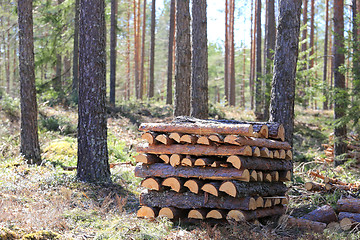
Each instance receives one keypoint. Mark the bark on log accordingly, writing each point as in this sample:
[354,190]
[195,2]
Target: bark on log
[188,139]
[241,189]
[212,188]
[164,170]
[274,176]
[188,200]
[194,185]
[152,183]
[353,216]
[198,214]
[217,164]
[312,186]
[239,215]
[348,205]
[149,137]
[171,213]
[175,136]
[241,162]
[334,181]
[199,128]
[261,130]
[147,158]
[197,150]
[204,161]
[303,223]
[258,142]
[176,184]
[216,214]
[325,214]
[164,139]
[147,212]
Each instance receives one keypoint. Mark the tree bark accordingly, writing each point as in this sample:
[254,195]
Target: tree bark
[241,162]
[231,73]
[304,224]
[226,61]
[152,50]
[269,48]
[312,31]
[258,142]
[239,215]
[183,59]
[189,200]
[348,205]
[258,85]
[165,170]
[29,141]
[142,63]
[92,165]
[340,96]
[283,85]
[325,214]
[199,89]
[113,36]
[241,189]
[170,53]
[252,57]
[128,82]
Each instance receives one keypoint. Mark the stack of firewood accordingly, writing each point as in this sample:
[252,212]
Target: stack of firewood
[201,169]
[345,216]
[329,184]
[353,149]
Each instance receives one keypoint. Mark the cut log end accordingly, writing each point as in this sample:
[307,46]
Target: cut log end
[164,139]
[255,152]
[211,188]
[216,214]
[197,214]
[173,183]
[188,161]
[193,185]
[151,183]
[347,224]
[169,212]
[175,159]
[149,137]
[165,158]
[147,212]
[175,136]
[259,202]
[204,140]
[229,188]
[236,215]
[190,139]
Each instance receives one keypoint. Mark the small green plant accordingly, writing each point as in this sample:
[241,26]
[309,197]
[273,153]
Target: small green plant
[10,106]
[58,124]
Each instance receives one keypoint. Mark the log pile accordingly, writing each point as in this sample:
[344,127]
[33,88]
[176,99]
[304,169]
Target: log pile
[346,216]
[353,149]
[208,169]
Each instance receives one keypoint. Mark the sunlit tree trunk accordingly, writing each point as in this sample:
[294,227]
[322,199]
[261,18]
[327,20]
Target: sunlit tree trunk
[325,82]
[142,75]
[113,27]
[170,53]
[152,51]
[226,59]
[75,82]
[258,85]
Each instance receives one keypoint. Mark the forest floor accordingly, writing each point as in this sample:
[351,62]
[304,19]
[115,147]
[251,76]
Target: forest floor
[47,202]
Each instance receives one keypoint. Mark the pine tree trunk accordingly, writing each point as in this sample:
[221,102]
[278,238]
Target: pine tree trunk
[312,31]
[170,53]
[226,65]
[142,75]
[7,61]
[29,142]
[269,48]
[258,85]
[242,103]
[325,83]
[340,96]
[75,82]
[128,81]
[356,50]
[183,59]
[303,50]
[113,27]
[251,79]
[92,165]
[285,59]
[136,53]
[152,50]
[199,90]
[232,85]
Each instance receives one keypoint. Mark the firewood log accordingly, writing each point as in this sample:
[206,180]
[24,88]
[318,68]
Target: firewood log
[348,224]
[255,151]
[240,162]
[164,170]
[260,176]
[261,130]
[212,188]
[312,186]
[257,142]
[147,212]
[188,139]
[188,161]
[176,184]
[171,212]
[271,154]
[253,176]
[285,201]
[289,155]
[276,154]
[333,226]
[333,181]
[197,150]
[282,154]
[189,200]
[216,138]
[216,214]
[348,205]
[217,164]
[175,159]
[239,215]
[175,136]
[149,137]
[267,203]
[165,158]
[204,161]
[198,213]
[199,128]
[284,176]
[267,177]
[194,185]
[259,202]
[303,223]
[264,152]
[204,140]
[147,158]
[330,186]
[353,216]
[164,139]
[241,189]
[274,176]
[325,214]
[152,183]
